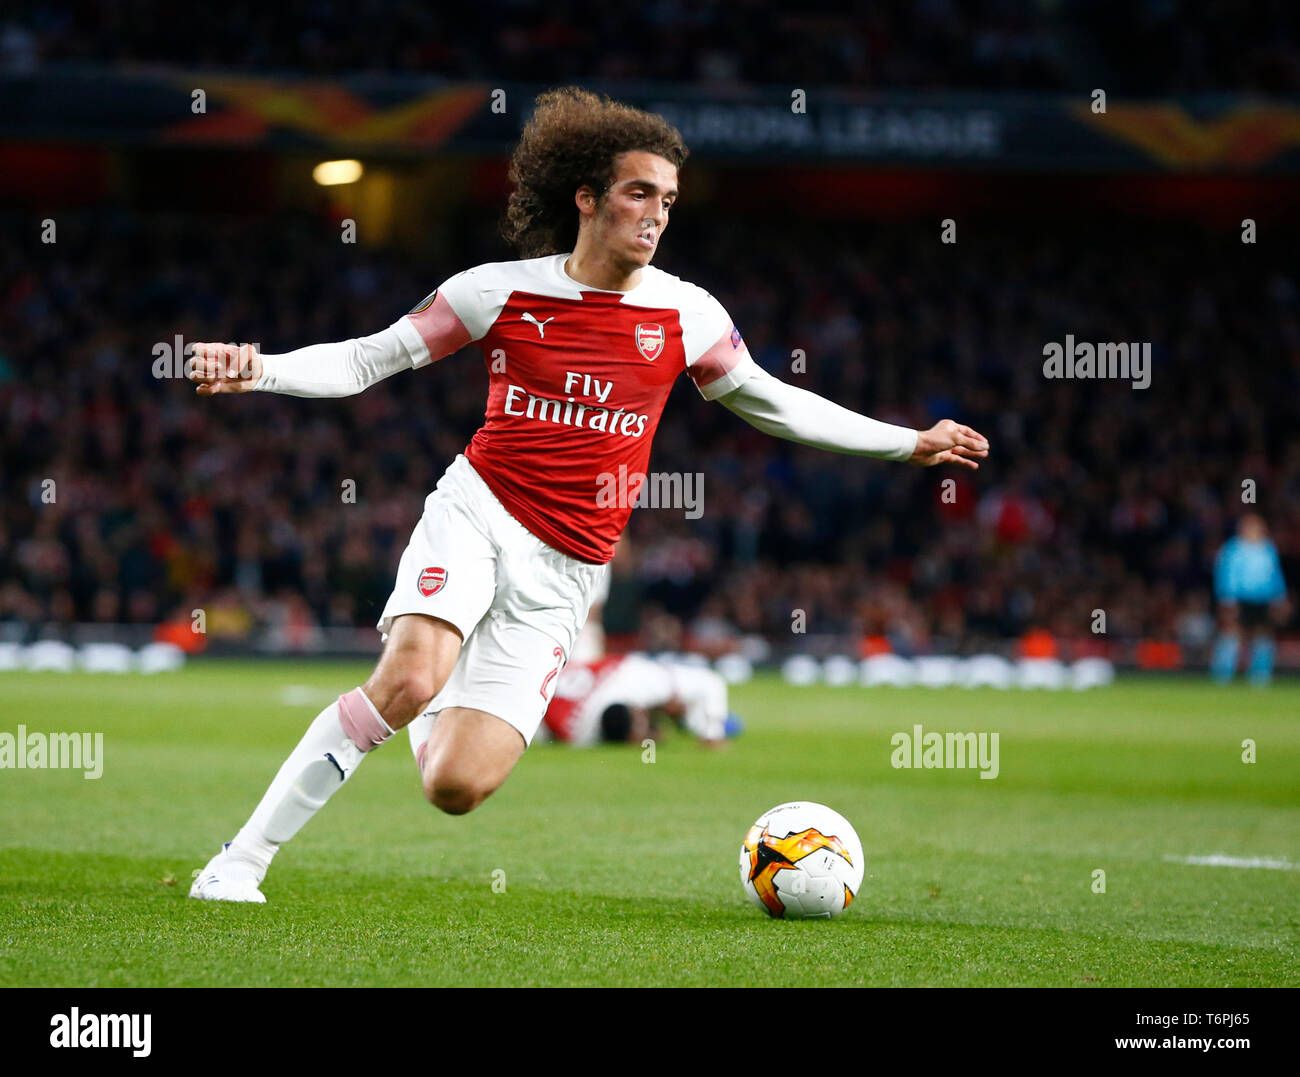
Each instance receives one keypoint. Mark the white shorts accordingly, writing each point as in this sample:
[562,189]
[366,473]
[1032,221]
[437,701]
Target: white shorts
[517,602]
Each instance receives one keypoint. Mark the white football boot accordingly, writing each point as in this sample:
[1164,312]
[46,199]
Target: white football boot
[227,879]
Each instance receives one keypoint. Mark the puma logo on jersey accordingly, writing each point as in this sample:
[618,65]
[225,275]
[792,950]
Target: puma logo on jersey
[541,326]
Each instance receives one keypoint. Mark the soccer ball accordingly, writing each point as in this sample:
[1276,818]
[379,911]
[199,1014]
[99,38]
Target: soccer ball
[801,861]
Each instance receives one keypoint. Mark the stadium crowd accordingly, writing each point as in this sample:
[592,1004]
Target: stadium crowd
[278,514]
[1151,46]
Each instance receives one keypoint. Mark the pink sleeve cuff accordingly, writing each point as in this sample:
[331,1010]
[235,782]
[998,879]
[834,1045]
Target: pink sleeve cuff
[727,365]
[439,328]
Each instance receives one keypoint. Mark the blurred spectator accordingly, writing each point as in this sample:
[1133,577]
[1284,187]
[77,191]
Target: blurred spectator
[1149,46]
[1251,591]
[127,497]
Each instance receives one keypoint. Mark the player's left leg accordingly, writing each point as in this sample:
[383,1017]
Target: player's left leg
[467,756]
[474,731]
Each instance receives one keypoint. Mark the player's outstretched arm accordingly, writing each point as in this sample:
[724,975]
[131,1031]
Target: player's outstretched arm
[949,442]
[795,414]
[340,369]
[224,368]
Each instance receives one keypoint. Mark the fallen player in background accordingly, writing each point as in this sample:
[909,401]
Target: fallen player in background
[620,699]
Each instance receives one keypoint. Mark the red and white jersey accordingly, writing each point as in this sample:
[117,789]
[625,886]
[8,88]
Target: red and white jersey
[578,380]
[584,689]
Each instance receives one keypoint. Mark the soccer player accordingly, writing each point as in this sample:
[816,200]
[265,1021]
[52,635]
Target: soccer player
[617,698]
[1251,593]
[583,338]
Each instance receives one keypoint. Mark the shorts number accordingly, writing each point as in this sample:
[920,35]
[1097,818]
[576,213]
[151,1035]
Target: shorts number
[559,662]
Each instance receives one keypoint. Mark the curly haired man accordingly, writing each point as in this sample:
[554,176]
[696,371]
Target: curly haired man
[583,339]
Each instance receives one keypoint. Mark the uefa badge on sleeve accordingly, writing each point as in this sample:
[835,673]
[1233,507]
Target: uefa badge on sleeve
[425,303]
[431,581]
[650,340]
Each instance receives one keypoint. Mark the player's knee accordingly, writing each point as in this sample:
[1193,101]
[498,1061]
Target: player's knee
[399,698]
[417,689]
[455,794]
[455,800]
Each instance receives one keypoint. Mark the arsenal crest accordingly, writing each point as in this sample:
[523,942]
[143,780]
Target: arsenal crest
[650,340]
[431,581]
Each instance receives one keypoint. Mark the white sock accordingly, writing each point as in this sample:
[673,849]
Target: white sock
[419,731]
[324,759]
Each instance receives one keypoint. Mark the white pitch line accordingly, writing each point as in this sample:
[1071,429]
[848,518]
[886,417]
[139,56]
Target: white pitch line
[1218,860]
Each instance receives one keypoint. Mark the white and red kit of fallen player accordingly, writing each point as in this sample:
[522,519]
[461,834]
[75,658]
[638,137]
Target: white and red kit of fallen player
[585,689]
[578,380]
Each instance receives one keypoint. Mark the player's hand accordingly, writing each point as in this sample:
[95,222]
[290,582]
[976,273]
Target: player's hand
[947,442]
[224,368]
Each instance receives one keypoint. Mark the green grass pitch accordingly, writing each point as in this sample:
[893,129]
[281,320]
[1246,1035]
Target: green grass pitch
[623,872]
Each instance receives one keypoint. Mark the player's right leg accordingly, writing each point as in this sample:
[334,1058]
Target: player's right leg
[445,583]
[418,658]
